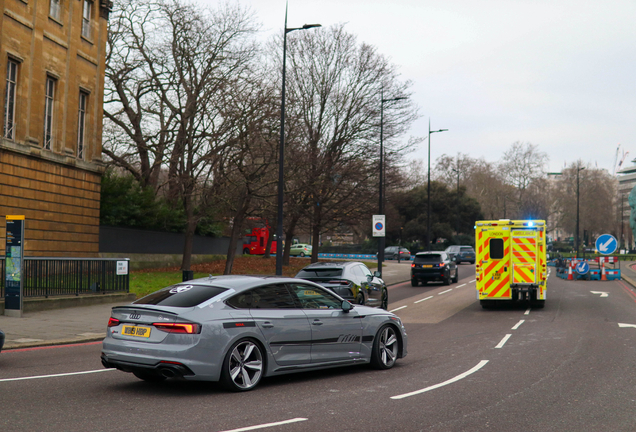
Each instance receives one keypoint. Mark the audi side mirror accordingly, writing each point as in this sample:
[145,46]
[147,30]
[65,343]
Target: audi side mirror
[346,306]
[377,274]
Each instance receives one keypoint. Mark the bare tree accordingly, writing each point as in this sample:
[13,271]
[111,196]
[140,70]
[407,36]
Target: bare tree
[335,87]
[521,165]
[171,73]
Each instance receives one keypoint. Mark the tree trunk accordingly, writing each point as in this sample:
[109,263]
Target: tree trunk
[239,217]
[191,227]
[289,234]
[315,233]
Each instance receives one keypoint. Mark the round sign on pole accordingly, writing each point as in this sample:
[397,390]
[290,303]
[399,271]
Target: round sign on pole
[582,268]
[606,244]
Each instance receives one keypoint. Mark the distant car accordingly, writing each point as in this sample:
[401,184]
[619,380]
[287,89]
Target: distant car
[239,329]
[433,266]
[352,281]
[1,340]
[462,253]
[301,250]
[392,253]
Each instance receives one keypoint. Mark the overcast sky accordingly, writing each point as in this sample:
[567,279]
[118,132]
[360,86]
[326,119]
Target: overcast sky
[560,74]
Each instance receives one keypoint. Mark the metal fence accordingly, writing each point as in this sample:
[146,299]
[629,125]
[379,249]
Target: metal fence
[50,277]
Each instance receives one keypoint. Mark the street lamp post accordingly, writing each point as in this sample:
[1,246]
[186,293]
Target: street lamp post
[381,204]
[457,209]
[281,157]
[578,170]
[428,205]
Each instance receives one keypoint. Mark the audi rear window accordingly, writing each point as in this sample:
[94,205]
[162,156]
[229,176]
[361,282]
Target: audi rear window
[182,295]
[319,273]
[428,258]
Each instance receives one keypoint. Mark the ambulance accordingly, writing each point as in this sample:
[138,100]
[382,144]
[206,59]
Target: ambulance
[511,261]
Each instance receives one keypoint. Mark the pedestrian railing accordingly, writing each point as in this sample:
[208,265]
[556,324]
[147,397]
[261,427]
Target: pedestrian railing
[50,277]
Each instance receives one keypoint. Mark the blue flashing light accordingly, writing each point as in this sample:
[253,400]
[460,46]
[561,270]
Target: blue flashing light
[530,223]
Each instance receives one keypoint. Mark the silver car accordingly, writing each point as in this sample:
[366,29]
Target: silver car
[239,329]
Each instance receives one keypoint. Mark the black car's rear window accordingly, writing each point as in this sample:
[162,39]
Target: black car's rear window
[182,295]
[466,249]
[434,258]
[319,273]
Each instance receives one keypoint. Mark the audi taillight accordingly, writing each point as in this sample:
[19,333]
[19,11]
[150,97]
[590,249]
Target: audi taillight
[113,322]
[181,328]
[340,282]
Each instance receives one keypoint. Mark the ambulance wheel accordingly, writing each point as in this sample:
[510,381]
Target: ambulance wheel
[486,304]
[539,304]
[415,282]
[456,278]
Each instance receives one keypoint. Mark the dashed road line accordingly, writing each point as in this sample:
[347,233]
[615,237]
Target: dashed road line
[57,375]
[397,309]
[527,312]
[472,280]
[266,425]
[480,365]
[518,324]
[444,292]
[459,286]
[503,341]
[424,299]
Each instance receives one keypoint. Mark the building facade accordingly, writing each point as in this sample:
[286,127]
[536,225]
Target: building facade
[52,60]
[626,182]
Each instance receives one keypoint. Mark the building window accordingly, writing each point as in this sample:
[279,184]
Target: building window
[81,123]
[9,100]
[48,112]
[86,19]
[54,9]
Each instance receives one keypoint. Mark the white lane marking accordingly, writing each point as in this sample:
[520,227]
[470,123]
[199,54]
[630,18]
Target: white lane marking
[444,292]
[503,341]
[626,325]
[602,293]
[472,280]
[429,297]
[518,324]
[401,307]
[459,286]
[266,425]
[480,365]
[57,375]
[527,312]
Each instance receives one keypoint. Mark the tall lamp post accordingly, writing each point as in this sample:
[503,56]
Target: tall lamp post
[578,170]
[457,210]
[381,205]
[428,204]
[576,238]
[281,157]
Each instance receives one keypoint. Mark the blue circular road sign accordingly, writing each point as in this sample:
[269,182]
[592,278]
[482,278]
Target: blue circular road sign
[378,226]
[582,268]
[606,244]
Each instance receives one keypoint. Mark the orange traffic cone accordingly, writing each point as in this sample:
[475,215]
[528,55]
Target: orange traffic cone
[570,277]
[603,277]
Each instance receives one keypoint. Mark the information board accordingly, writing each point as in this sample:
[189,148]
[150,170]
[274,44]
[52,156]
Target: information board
[13,266]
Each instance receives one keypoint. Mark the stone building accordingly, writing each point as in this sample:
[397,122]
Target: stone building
[626,182]
[52,60]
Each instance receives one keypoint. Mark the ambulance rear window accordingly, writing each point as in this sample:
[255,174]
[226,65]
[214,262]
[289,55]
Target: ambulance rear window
[496,248]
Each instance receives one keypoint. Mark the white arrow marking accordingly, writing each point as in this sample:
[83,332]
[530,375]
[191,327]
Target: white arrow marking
[626,325]
[602,293]
[605,246]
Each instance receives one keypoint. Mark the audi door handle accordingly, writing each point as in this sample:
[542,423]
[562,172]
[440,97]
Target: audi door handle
[317,322]
[268,324]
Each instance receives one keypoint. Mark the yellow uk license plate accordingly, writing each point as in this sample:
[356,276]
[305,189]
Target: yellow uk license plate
[427,266]
[137,331]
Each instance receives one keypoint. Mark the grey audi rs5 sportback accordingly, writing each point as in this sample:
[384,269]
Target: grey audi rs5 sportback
[239,329]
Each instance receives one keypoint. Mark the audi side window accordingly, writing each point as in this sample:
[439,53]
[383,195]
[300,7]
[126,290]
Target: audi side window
[496,248]
[311,297]
[272,297]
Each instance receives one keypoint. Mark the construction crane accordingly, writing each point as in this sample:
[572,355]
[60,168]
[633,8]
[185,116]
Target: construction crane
[619,163]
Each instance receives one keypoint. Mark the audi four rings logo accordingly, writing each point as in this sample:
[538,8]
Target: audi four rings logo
[134,315]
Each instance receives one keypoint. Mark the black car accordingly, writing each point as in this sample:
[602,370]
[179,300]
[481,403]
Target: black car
[433,266]
[462,253]
[1,340]
[393,252]
[352,281]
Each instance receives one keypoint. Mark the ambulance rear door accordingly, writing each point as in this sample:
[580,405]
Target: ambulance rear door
[494,262]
